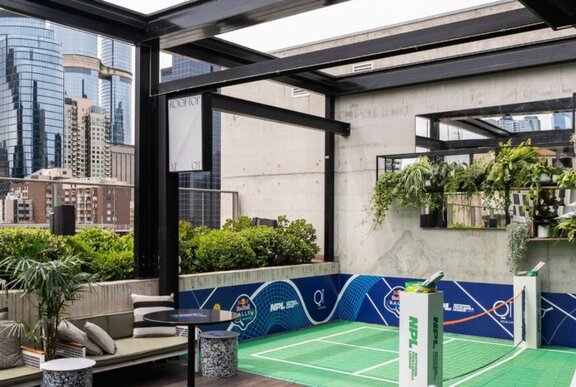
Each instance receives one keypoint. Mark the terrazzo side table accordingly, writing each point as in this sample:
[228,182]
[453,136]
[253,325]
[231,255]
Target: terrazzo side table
[67,372]
[219,353]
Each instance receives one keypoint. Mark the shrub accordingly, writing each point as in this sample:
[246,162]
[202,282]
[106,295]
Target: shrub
[224,250]
[189,240]
[114,265]
[238,224]
[32,242]
[260,239]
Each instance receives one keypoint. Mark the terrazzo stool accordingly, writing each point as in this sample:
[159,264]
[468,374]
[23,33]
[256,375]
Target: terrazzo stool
[219,353]
[67,372]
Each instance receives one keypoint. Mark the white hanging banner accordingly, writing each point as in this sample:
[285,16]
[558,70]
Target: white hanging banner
[185,149]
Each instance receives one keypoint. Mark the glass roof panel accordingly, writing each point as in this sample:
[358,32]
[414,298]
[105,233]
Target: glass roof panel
[342,19]
[146,6]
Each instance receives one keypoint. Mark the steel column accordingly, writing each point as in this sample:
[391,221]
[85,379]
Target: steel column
[329,184]
[146,179]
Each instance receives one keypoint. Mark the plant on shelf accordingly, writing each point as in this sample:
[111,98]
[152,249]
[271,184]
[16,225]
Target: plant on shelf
[567,179]
[464,178]
[511,167]
[566,228]
[517,237]
[405,187]
[545,211]
[53,285]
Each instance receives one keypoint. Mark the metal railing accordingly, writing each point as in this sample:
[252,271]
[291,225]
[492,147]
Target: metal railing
[31,203]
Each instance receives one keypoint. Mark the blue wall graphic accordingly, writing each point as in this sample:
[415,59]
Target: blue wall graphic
[277,306]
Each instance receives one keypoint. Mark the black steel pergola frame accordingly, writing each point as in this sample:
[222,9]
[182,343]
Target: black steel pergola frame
[190,28]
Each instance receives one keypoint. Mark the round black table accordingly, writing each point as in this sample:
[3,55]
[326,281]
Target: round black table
[191,318]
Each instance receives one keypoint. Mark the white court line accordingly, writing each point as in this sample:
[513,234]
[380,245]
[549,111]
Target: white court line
[308,341]
[384,329]
[376,309]
[488,368]
[358,346]
[207,298]
[376,366]
[557,350]
[448,341]
[484,309]
[326,369]
[560,309]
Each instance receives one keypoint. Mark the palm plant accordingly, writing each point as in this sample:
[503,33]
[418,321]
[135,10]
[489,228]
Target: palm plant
[53,285]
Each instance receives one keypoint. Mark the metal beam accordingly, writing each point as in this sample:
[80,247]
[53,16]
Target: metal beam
[242,107]
[480,127]
[204,19]
[89,15]
[227,54]
[485,27]
[429,143]
[556,13]
[547,53]
[329,183]
[540,138]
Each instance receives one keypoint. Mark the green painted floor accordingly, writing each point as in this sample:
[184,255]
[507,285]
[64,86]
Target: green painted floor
[358,354]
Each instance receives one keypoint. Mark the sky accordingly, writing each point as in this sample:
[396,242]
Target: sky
[336,20]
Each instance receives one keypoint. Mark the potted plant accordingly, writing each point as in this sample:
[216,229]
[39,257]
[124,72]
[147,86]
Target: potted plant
[566,228]
[511,167]
[517,237]
[406,187]
[567,179]
[52,284]
[545,211]
[464,178]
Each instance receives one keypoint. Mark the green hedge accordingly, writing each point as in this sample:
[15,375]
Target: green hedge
[239,245]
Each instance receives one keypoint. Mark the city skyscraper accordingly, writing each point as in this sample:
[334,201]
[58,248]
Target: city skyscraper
[81,64]
[31,95]
[116,90]
[193,206]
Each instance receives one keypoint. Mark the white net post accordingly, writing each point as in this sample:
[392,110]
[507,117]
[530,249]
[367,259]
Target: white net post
[527,325]
[421,336]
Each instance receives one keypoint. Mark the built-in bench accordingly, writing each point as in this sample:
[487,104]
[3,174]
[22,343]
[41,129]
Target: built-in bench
[130,350]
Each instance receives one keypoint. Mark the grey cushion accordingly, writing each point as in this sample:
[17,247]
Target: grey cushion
[10,353]
[4,313]
[148,304]
[100,337]
[69,332]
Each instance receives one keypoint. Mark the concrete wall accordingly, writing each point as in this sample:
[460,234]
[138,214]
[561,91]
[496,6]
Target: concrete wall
[279,169]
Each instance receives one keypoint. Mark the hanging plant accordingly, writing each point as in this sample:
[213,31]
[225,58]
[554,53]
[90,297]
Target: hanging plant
[517,236]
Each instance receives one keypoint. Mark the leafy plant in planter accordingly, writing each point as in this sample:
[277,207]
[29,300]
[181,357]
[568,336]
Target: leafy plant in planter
[465,178]
[567,179]
[566,228]
[517,236]
[512,167]
[405,187]
[53,285]
[545,211]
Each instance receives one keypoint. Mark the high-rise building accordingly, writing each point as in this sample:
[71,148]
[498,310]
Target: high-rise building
[562,120]
[31,95]
[81,64]
[116,90]
[198,208]
[87,134]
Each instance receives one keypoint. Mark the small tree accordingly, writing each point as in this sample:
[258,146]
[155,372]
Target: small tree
[53,286]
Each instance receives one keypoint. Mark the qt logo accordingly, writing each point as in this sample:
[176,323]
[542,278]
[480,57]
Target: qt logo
[319,298]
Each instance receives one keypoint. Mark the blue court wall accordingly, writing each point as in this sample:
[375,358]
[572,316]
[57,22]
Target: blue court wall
[276,306]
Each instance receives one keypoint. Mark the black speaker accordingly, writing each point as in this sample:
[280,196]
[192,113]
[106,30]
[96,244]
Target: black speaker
[63,220]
